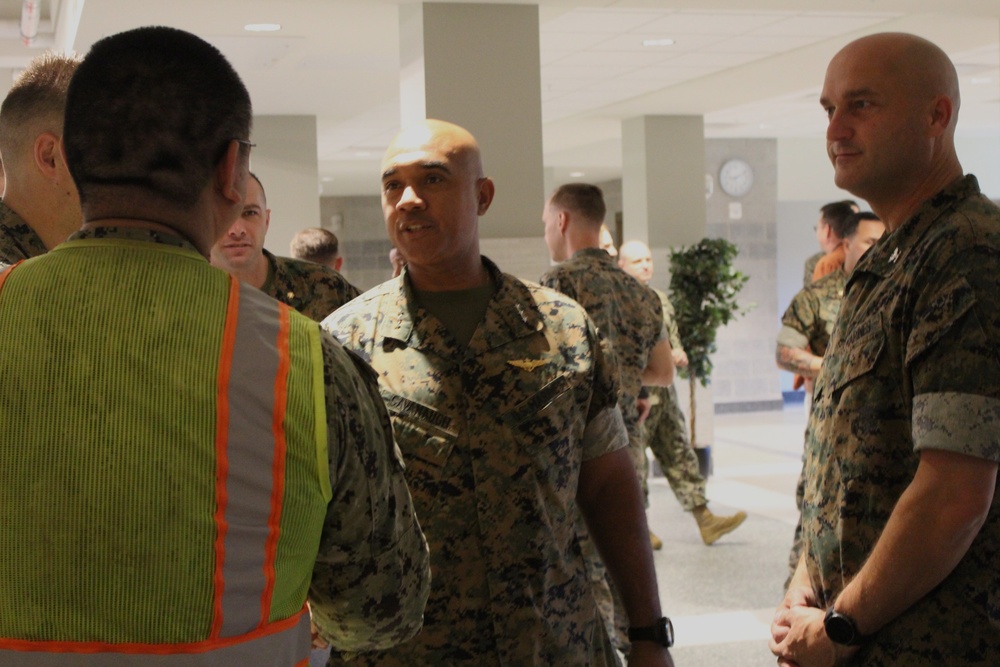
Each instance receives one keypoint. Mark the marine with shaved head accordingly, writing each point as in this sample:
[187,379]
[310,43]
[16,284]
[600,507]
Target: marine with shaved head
[504,408]
[901,530]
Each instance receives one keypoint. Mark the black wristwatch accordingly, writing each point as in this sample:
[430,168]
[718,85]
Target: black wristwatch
[661,632]
[841,629]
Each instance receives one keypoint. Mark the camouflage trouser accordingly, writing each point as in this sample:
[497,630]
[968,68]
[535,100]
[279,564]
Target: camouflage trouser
[666,436]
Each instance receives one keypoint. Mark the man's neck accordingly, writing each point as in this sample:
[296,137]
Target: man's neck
[895,212]
[447,279]
[255,274]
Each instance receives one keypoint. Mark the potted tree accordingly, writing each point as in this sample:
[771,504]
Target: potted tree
[703,290]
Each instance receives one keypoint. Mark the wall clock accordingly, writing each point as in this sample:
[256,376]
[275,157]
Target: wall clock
[736,177]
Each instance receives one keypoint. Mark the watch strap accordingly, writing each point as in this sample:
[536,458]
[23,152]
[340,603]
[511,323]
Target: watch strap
[661,632]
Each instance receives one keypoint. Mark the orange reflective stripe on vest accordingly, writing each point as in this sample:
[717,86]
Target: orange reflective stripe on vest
[281,646]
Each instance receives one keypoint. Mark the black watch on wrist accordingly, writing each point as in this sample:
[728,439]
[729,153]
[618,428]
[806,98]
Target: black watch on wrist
[841,629]
[661,632]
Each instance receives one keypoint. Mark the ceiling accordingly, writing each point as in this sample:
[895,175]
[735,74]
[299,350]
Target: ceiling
[752,68]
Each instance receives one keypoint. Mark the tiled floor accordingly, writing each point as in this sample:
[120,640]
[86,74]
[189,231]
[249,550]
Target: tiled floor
[721,598]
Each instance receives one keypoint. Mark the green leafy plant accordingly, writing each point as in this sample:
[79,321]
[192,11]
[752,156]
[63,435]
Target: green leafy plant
[703,290]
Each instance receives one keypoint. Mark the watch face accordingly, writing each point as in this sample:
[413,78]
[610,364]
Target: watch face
[736,177]
[840,629]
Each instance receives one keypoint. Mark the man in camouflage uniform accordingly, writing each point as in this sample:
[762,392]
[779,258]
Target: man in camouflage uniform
[626,313]
[504,408]
[317,245]
[629,316]
[666,432]
[40,206]
[807,324]
[161,171]
[828,234]
[312,289]
[900,523]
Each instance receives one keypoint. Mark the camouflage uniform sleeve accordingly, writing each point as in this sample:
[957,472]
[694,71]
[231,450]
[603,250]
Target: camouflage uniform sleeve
[670,321]
[952,355]
[798,321]
[372,576]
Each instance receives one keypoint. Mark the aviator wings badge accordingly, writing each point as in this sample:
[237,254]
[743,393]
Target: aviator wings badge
[527,364]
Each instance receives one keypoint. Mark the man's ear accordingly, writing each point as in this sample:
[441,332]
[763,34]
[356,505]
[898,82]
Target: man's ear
[486,192]
[562,221]
[231,175]
[942,110]
[45,152]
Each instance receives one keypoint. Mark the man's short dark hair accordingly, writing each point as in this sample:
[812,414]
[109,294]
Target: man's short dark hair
[584,199]
[37,100]
[152,111]
[853,220]
[315,244]
[836,214]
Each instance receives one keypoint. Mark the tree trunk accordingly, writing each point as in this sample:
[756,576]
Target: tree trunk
[693,381]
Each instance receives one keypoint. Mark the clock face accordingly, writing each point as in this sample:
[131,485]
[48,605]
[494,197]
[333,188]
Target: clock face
[736,177]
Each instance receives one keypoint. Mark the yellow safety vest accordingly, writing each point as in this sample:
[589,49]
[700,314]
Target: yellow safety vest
[163,464]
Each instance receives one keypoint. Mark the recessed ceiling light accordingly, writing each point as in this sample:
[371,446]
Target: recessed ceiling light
[666,41]
[576,174]
[262,27]
[979,80]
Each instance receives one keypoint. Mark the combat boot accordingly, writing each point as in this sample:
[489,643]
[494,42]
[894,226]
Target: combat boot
[655,542]
[713,527]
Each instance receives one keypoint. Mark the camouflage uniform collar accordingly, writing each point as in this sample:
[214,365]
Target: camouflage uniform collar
[17,239]
[892,249]
[596,253]
[512,314]
[272,272]
[140,234]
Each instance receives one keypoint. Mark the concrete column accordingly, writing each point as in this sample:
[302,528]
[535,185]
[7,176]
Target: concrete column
[663,203]
[478,66]
[285,160]
[663,179]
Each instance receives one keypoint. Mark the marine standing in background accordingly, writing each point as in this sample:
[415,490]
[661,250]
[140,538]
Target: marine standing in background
[312,289]
[40,206]
[666,430]
[630,319]
[317,245]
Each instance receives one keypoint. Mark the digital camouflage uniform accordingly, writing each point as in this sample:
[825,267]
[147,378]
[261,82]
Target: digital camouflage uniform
[312,289]
[629,317]
[666,432]
[493,435]
[807,325]
[17,240]
[810,267]
[912,365]
[372,555]
[627,314]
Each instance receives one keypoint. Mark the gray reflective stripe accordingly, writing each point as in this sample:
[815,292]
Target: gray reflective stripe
[251,450]
[282,649]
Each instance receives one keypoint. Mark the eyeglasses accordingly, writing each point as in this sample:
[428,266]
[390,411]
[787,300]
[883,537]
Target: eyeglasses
[244,142]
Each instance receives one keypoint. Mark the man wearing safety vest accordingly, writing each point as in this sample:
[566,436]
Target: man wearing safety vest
[183,460]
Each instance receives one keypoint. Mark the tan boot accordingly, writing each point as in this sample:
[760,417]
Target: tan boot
[713,527]
[655,542]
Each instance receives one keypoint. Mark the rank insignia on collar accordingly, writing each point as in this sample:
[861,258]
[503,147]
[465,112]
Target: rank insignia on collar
[894,256]
[527,364]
